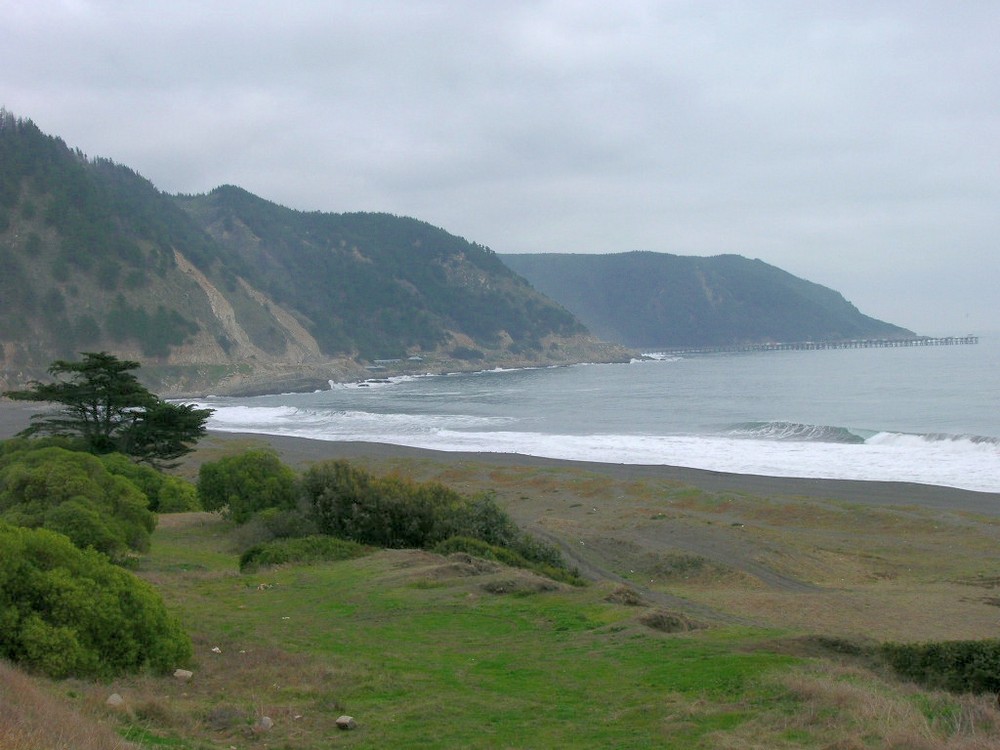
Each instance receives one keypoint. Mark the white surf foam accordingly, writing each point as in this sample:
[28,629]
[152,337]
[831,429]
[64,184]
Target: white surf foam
[961,462]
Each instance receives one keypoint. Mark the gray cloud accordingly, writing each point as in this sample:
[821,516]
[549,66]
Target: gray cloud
[852,143]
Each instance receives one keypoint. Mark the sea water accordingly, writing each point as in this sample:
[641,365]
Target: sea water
[916,414]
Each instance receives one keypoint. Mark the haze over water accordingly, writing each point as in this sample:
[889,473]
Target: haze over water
[924,414]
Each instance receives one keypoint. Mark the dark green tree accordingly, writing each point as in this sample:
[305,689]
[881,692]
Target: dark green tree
[106,406]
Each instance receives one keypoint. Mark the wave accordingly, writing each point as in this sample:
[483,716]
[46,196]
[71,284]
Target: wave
[794,431]
[956,441]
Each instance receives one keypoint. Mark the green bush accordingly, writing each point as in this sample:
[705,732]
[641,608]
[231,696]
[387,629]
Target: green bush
[75,494]
[309,549]
[176,496]
[482,518]
[66,611]
[386,512]
[244,484]
[956,666]
[274,523]
[392,512]
[165,493]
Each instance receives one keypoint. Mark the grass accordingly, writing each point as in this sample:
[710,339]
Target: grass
[433,652]
[453,666]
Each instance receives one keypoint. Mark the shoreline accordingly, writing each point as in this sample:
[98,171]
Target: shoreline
[299,452]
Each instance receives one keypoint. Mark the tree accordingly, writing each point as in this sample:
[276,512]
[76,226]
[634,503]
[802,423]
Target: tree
[106,406]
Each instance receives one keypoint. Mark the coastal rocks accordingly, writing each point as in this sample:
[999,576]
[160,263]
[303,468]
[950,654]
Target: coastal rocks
[346,723]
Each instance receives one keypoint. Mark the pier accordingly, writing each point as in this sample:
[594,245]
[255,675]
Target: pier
[774,346]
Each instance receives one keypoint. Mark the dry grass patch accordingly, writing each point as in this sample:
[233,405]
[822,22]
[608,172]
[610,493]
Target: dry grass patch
[231,691]
[31,718]
[884,611]
[824,700]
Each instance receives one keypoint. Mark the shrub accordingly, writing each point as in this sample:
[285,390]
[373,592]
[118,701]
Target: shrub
[66,611]
[274,523]
[392,512]
[75,494]
[307,549]
[176,496]
[957,666]
[165,493]
[244,484]
[387,512]
[336,492]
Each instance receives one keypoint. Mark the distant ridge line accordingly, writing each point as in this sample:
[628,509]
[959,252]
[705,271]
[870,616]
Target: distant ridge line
[833,344]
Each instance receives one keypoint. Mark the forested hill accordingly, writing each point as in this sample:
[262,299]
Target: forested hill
[227,290]
[374,283]
[652,300]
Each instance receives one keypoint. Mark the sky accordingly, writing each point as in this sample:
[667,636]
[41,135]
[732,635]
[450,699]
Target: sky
[854,143]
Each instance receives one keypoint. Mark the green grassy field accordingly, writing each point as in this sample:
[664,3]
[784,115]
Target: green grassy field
[426,651]
[432,652]
[423,655]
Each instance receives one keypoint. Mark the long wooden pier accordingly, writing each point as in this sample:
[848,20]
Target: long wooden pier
[775,346]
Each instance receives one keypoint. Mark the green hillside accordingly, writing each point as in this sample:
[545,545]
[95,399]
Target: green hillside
[644,299]
[228,291]
[374,283]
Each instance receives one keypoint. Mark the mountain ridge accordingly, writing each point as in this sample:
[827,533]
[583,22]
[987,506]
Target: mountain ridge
[229,292]
[647,300]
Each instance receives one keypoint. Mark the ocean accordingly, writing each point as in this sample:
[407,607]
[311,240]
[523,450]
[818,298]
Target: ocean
[929,415]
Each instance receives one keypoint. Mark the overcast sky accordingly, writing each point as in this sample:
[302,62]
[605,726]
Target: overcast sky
[855,143]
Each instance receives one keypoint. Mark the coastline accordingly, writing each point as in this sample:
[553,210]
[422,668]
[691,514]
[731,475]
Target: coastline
[299,452]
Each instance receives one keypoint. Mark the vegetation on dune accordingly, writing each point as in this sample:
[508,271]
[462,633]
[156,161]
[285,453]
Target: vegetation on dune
[66,611]
[338,499]
[247,483]
[74,494]
[431,651]
[164,493]
[300,550]
[390,511]
[956,666]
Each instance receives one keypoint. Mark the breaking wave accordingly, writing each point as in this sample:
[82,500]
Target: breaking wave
[794,431]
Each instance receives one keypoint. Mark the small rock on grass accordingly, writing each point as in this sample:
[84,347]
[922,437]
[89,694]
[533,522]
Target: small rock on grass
[264,724]
[347,722]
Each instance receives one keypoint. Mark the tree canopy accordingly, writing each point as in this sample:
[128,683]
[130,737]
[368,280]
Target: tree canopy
[105,405]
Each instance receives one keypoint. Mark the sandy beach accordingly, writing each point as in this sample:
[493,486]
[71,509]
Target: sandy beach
[15,416]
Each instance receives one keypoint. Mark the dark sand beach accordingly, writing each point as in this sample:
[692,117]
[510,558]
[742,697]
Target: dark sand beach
[301,451]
